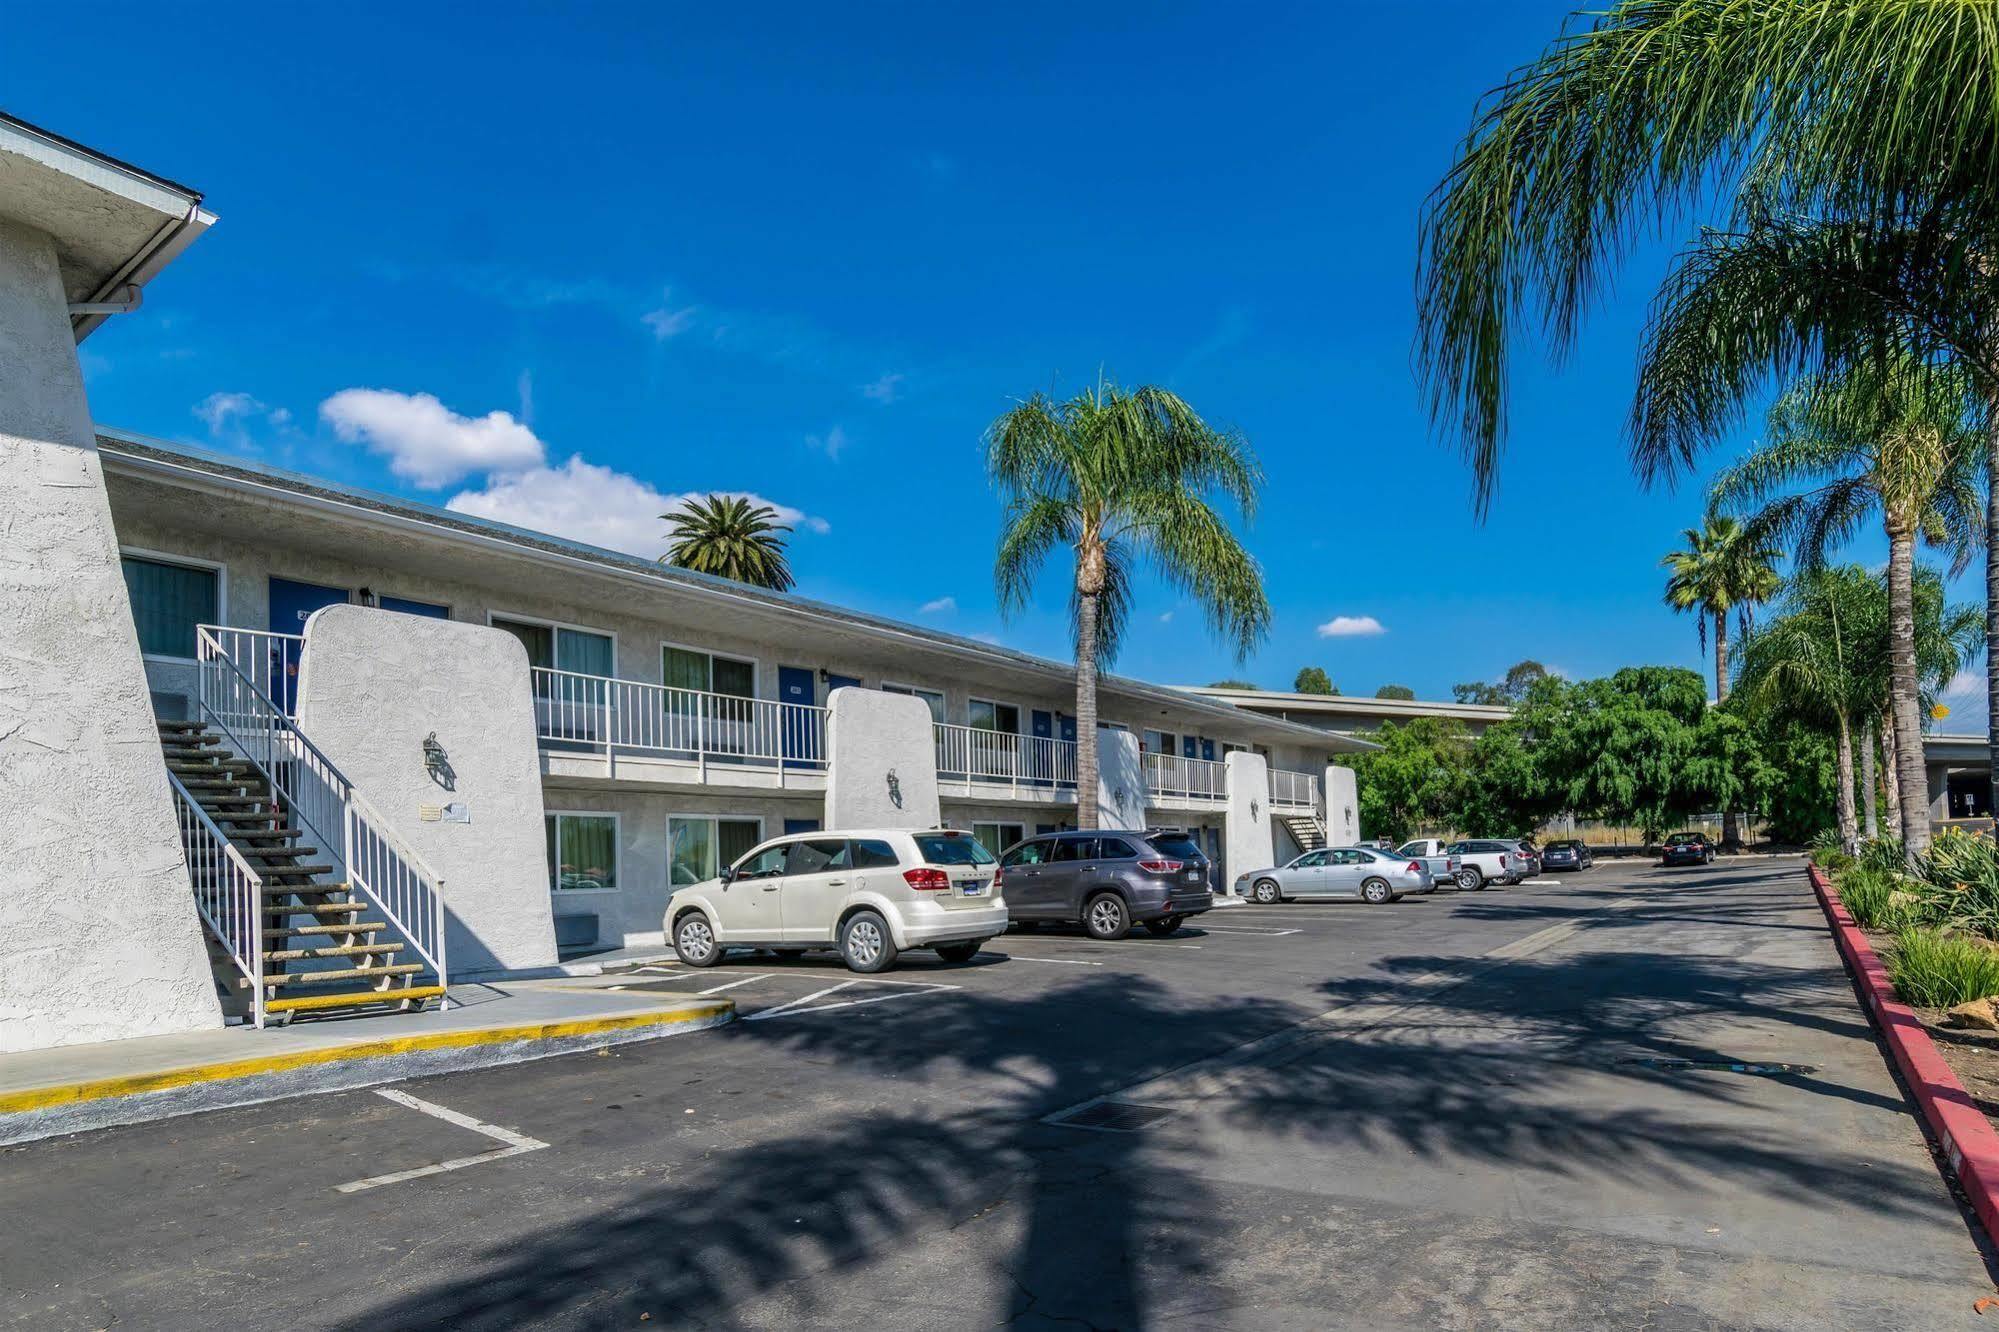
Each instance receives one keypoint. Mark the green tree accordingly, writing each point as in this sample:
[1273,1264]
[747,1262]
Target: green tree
[728,536]
[1856,141]
[1314,680]
[1122,478]
[1411,783]
[1639,747]
[1403,692]
[1891,439]
[1724,568]
[1234,684]
[1520,677]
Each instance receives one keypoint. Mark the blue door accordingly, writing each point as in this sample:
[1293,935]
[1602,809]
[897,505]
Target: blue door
[292,604]
[1067,725]
[800,826]
[840,682]
[1207,749]
[428,609]
[1187,747]
[796,684]
[1041,766]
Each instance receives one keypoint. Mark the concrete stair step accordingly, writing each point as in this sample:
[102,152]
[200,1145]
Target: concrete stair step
[354,999]
[305,889]
[356,927]
[348,973]
[335,950]
[320,909]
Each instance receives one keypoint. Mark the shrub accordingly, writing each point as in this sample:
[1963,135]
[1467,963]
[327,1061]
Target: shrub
[1959,884]
[1826,841]
[1869,894]
[1833,862]
[1932,969]
[1882,853]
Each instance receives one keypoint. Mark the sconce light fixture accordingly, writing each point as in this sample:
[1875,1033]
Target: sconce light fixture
[437,763]
[894,789]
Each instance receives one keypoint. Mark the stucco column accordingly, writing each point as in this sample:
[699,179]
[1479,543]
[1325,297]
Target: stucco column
[1342,806]
[1938,780]
[1248,843]
[99,938]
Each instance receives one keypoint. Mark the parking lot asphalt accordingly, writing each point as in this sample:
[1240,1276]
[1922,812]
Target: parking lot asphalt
[1463,1110]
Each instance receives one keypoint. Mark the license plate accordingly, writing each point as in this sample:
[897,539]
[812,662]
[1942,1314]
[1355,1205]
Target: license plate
[972,887]
[1195,876]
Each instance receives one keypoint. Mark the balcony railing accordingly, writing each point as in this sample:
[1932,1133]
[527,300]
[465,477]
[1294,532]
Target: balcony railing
[596,713]
[971,755]
[269,662]
[1172,776]
[1293,790]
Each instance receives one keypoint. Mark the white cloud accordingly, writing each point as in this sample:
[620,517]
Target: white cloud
[425,441]
[222,410]
[668,323]
[886,389]
[1351,626]
[1166,617]
[832,443]
[586,502]
[939,606]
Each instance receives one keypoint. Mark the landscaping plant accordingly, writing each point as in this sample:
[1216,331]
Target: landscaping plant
[1931,969]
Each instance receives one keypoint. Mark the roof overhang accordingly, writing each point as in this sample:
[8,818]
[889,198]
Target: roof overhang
[1351,706]
[114,226]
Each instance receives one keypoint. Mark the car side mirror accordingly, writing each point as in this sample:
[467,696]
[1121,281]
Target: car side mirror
[728,875]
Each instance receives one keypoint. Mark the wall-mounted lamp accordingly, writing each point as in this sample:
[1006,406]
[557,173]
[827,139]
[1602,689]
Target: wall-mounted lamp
[894,789]
[437,763]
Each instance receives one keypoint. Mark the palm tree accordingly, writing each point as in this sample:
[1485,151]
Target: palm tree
[1873,124]
[1723,568]
[1892,438]
[1122,479]
[728,536]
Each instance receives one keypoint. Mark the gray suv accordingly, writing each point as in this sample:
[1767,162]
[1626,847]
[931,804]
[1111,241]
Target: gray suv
[1107,880]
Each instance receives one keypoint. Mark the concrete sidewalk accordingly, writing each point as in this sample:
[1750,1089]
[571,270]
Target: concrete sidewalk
[78,1087]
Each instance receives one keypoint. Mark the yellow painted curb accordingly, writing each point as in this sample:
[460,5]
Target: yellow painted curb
[71,1093]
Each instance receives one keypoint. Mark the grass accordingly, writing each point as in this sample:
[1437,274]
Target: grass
[1934,970]
[1867,894]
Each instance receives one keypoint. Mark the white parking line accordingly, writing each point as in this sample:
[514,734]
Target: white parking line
[1246,929]
[1059,961]
[733,984]
[797,1008]
[516,1144]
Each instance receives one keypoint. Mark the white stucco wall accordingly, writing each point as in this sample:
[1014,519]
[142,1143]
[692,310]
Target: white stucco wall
[372,685]
[1342,806]
[1249,843]
[870,735]
[99,938]
[1120,781]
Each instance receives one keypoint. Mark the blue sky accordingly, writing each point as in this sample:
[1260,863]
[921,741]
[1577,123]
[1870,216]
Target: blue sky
[809,251]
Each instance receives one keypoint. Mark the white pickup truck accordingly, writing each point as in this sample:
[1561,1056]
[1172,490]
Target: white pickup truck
[1443,866]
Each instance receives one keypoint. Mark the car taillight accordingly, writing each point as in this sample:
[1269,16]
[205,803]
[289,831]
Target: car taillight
[1160,866]
[927,880]
[998,874]
[1414,868]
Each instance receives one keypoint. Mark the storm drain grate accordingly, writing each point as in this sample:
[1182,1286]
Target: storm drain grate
[1113,1117]
[1719,1066]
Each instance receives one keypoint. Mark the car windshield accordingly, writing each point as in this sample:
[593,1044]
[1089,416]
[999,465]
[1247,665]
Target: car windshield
[953,849]
[1684,837]
[1175,844]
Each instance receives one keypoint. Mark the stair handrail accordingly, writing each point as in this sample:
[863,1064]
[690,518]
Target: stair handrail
[228,893]
[387,870]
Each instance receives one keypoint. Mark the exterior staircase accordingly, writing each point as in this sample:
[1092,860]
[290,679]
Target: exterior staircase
[1305,830]
[322,953]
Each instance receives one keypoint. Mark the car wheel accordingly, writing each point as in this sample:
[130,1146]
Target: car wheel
[865,943]
[1468,879]
[694,941]
[1376,891]
[1105,917]
[1266,892]
[1164,926]
[958,952]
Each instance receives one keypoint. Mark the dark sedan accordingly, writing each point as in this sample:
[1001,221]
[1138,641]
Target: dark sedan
[1566,855]
[1690,848]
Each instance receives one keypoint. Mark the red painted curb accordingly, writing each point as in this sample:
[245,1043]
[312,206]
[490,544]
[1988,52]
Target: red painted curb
[1969,1142]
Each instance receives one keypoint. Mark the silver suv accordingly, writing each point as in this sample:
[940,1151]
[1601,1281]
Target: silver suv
[1108,880]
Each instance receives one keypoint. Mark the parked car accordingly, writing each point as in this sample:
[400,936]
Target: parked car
[1365,872]
[868,894]
[1687,848]
[1529,855]
[1493,861]
[1437,858]
[1570,854]
[1107,881]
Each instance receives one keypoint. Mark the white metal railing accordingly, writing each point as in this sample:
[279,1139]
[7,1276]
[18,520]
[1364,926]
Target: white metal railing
[1186,778]
[1293,790]
[1002,758]
[363,849]
[227,892]
[269,661]
[597,712]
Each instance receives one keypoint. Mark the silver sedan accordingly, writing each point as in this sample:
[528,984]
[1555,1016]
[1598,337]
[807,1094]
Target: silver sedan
[1338,872]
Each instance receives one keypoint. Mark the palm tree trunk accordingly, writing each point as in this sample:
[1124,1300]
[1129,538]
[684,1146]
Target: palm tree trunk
[1086,710]
[1891,784]
[1991,614]
[1731,836]
[1870,821]
[1848,834]
[1903,696]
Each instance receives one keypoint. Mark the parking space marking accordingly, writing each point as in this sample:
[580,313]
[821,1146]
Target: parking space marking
[517,1144]
[1059,961]
[905,990]
[1247,929]
[717,989]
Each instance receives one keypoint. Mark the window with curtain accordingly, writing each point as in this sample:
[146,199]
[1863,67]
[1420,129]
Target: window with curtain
[698,847]
[988,716]
[930,696]
[168,601]
[582,852]
[684,668]
[583,652]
